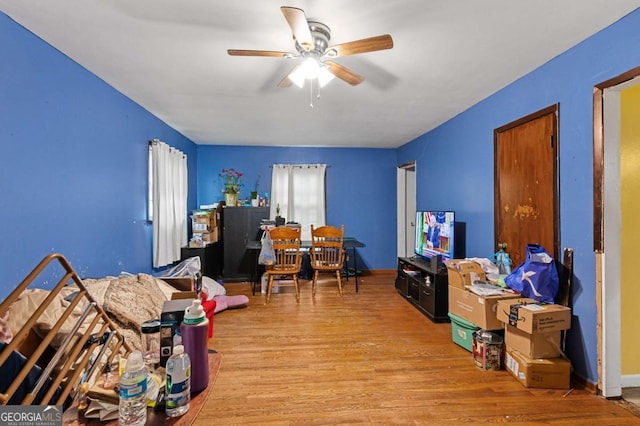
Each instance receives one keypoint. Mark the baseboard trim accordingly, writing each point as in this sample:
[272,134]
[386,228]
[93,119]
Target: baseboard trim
[630,381]
[379,272]
[581,383]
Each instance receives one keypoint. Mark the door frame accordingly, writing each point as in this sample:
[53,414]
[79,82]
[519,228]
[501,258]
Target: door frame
[606,222]
[406,207]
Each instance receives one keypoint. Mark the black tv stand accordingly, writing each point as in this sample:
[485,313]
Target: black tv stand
[424,284]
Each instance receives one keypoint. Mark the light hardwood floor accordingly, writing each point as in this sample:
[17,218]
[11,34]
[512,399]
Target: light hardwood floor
[368,358]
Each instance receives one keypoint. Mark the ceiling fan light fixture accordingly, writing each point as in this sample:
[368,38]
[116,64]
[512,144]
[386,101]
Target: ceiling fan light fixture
[324,76]
[298,77]
[311,69]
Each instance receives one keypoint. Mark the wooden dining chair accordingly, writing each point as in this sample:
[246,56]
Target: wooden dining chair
[327,253]
[286,247]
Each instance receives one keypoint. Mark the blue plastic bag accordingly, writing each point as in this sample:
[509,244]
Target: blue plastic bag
[537,277]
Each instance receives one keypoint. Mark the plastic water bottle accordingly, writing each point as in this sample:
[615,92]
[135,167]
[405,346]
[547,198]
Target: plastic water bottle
[195,333]
[178,390]
[133,391]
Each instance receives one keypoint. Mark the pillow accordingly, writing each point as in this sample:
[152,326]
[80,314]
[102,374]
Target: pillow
[134,300]
[212,288]
[229,302]
[131,301]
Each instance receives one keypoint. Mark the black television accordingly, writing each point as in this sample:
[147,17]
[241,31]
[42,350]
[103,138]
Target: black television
[438,234]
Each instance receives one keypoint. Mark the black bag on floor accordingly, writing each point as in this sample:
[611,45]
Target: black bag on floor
[306,271]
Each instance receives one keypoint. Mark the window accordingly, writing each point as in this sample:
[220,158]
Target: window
[298,191]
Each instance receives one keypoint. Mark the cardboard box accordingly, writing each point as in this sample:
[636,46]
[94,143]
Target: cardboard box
[478,310]
[462,272]
[549,373]
[538,345]
[170,319]
[200,227]
[204,220]
[534,317]
[214,235]
[208,237]
[200,223]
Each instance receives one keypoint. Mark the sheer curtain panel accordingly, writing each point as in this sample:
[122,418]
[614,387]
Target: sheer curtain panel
[299,191]
[169,202]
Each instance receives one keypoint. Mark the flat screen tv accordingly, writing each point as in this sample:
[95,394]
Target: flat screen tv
[435,234]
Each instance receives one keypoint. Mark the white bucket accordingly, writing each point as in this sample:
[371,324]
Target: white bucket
[263,284]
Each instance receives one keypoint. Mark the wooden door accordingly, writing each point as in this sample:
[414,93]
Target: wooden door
[526,184]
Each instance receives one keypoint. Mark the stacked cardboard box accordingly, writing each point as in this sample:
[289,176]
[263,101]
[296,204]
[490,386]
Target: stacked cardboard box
[479,310]
[533,339]
[205,228]
[475,310]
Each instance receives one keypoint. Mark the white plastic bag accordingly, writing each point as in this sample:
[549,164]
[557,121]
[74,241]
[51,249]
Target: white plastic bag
[267,255]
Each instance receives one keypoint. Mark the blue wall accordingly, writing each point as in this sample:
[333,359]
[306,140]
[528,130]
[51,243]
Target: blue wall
[361,189]
[468,180]
[73,165]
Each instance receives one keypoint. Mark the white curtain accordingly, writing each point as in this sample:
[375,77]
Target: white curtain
[299,191]
[169,202]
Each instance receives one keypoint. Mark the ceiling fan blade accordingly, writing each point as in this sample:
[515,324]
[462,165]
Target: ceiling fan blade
[272,53]
[370,44]
[344,73]
[299,26]
[286,81]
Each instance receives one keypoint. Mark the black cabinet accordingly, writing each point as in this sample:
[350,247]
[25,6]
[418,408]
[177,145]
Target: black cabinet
[239,226]
[424,288]
[210,258]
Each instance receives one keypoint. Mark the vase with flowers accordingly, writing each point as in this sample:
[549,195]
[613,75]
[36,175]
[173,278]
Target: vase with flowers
[231,184]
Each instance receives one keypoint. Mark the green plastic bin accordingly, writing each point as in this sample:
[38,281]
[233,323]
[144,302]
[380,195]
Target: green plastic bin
[462,331]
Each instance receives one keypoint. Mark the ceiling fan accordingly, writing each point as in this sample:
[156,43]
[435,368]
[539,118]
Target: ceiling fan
[312,43]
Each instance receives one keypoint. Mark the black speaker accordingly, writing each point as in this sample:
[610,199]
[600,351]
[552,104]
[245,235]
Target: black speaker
[436,262]
[460,240]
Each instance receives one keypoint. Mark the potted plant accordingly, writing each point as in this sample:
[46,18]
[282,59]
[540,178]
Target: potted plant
[255,201]
[231,184]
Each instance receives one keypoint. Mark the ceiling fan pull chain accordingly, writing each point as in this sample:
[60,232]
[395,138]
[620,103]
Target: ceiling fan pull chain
[311,93]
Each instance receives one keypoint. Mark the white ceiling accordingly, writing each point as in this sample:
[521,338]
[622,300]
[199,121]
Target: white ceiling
[170,56]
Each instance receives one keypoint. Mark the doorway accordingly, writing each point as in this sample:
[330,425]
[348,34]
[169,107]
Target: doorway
[406,208]
[608,215]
